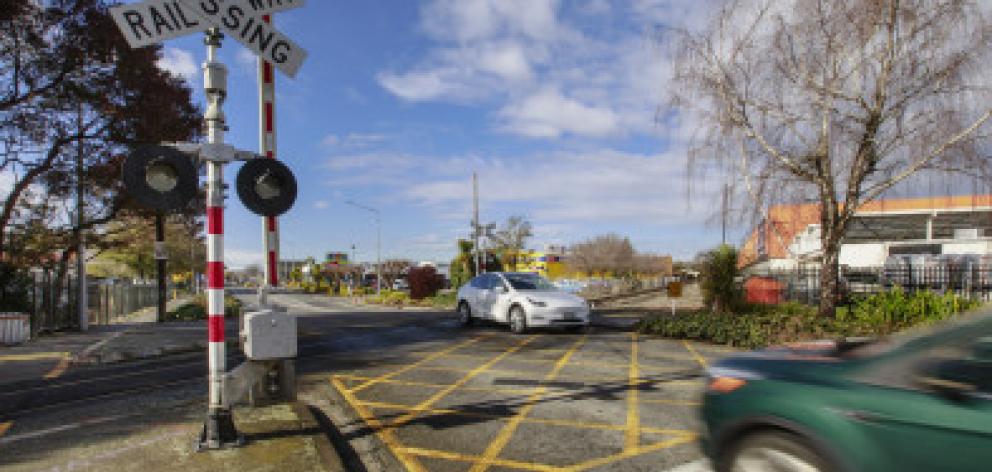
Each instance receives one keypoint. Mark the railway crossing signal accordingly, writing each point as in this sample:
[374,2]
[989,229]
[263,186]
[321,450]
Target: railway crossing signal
[268,189]
[154,21]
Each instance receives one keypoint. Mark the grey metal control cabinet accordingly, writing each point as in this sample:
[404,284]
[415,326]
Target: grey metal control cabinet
[269,336]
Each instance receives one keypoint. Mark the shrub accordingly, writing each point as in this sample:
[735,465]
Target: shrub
[444,300]
[719,280]
[424,282]
[197,309]
[757,326]
[891,311]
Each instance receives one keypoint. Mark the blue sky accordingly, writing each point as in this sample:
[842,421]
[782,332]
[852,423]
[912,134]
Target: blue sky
[556,105]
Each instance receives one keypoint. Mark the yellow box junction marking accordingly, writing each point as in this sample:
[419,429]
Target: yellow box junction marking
[469,376]
[695,355]
[410,367]
[408,455]
[503,438]
[631,438]
[387,436]
[546,421]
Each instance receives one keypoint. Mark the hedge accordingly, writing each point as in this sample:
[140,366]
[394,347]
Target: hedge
[756,326]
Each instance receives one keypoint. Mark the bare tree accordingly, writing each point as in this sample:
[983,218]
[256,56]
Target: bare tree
[839,100]
[511,238]
[607,253]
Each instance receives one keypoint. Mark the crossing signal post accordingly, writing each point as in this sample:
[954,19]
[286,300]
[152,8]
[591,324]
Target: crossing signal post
[164,178]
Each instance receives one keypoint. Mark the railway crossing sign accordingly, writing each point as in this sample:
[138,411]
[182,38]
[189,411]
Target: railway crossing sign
[154,21]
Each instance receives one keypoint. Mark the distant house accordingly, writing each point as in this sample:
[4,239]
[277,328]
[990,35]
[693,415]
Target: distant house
[789,235]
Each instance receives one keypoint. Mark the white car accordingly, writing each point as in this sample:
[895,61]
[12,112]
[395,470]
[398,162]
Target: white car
[523,300]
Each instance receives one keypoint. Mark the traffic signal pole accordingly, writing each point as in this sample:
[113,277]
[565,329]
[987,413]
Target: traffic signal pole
[218,430]
[267,148]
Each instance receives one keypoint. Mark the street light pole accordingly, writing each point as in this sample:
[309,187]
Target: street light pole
[378,243]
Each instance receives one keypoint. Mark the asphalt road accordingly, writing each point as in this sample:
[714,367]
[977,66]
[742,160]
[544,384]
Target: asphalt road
[410,390]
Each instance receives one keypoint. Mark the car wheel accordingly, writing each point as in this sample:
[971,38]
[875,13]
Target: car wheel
[775,452]
[464,315]
[578,329]
[518,320]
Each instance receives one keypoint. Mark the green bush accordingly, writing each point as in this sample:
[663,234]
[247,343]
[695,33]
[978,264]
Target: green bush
[719,280]
[444,299]
[197,309]
[390,297]
[755,326]
[896,309]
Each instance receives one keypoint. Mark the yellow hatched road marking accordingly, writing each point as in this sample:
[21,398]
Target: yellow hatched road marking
[436,355]
[626,454]
[545,421]
[60,368]
[631,437]
[5,426]
[503,438]
[469,376]
[36,356]
[580,362]
[435,454]
[672,402]
[519,391]
[696,355]
[573,378]
[387,436]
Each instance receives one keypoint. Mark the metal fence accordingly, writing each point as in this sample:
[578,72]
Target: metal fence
[54,306]
[803,284]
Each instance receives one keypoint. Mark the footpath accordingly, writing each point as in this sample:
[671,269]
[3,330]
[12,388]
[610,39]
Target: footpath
[281,436]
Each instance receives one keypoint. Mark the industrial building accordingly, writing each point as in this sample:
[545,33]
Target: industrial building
[789,235]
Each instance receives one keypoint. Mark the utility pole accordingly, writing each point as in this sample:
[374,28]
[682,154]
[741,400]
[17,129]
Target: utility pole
[81,241]
[476,228]
[378,243]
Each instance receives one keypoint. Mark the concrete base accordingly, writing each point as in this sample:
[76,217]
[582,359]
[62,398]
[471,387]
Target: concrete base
[219,432]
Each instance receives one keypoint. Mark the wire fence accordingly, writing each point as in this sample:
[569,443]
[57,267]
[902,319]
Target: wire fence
[803,284]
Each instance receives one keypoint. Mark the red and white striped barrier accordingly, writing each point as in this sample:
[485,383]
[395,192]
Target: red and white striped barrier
[267,147]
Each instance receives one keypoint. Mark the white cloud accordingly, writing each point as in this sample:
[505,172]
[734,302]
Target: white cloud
[321,204]
[547,114]
[593,69]
[468,20]
[180,63]
[561,190]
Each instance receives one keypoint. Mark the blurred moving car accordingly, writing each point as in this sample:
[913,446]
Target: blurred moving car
[920,401]
[523,300]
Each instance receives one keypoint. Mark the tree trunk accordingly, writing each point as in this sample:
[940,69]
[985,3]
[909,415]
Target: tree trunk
[829,271]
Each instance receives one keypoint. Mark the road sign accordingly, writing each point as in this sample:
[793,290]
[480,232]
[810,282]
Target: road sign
[241,20]
[154,21]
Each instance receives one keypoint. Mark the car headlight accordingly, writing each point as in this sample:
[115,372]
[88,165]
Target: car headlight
[537,303]
[724,380]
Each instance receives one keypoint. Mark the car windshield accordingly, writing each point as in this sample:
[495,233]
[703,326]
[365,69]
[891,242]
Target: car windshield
[528,282]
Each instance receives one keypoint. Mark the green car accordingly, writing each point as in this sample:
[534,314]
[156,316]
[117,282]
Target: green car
[915,402]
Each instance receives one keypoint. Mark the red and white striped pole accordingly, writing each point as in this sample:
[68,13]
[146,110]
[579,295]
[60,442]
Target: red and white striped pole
[218,430]
[267,147]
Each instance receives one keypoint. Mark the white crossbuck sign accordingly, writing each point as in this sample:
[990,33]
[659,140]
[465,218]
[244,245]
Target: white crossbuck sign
[154,21]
